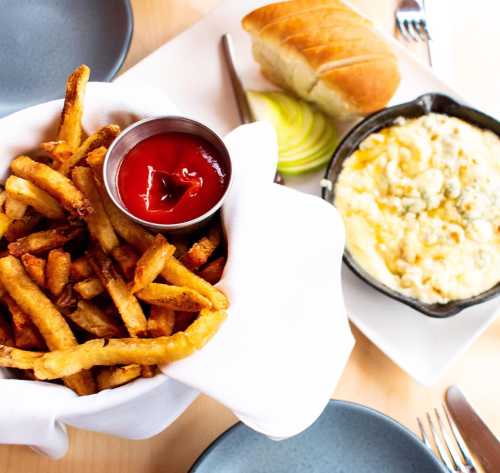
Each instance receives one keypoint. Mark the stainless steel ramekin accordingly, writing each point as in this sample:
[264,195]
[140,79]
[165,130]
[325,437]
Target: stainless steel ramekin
[143,129]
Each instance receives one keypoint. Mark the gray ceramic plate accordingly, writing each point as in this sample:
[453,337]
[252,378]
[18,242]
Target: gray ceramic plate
[347,438]
[42,41]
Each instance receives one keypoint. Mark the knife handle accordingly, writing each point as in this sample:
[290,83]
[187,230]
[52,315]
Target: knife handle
[479,438]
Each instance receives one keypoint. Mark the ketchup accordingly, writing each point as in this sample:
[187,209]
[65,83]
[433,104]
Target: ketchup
[171,178]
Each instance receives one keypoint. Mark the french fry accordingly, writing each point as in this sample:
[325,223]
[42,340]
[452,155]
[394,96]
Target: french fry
[100,227]
[89,288]
[3,196]
[58,269]
[148,371]
[6,337]
[161,321]
[151,263]
[174,297]
[93,320]
[109,378]
[35,267]
[70,128]
[67,298]
[26,335]
[201,251]
[176,273]
[11,357]
[59,151]
[95,160]
[20,228]
[27,193]
[127,258]
[50,323]
[14,208]
[5,223]
[212,272]
[127,305]
[45,240]
[81,269]
[124,351]
[54,183]
[103,137]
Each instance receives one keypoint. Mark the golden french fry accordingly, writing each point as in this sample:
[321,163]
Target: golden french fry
[70,128]
[5,223]
[14,208]
[58,269]
[100,227]
[95,160]
[50,323]
[67,298]
[127,305]
[109,378]
[16,358]
[27,193]
[20,228]
[148,371]
[201,251]
[176,273]
[93,320]
[212,272]
[54,183]
[89,288]
[151,263]
[26,335]
[45,240]
[6,337]
[81,269]
[35,267]
[127,258]
[161,321]
[103,137]
[174,297]
[59,151]
[124,351]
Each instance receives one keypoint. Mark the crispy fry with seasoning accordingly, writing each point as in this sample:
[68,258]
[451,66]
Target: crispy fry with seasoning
[81,269]
[126,258]
[173,297]
[89,288]
[59,151]
[124,351]
[212,272]
[14,208]
[50,323]
[26,335]
[35,267]
[40,242]
[27,193]
[108,378]
[70,127]
[201,251]
[161,321]
[58,269]
[126,303]
[93,320]
[11,357]
[54,183]
[151,263]
[100,227]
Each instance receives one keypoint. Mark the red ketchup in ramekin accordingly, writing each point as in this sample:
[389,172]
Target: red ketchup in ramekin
[172,177]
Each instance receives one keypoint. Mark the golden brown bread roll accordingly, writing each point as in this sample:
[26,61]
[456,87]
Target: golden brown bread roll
[326,53]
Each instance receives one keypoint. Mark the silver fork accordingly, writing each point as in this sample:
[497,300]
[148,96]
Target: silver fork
[412,23]
[452,452]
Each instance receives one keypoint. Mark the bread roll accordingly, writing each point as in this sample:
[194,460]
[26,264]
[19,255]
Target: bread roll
[326,53]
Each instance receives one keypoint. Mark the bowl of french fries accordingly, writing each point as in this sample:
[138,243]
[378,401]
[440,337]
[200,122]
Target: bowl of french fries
[92,299]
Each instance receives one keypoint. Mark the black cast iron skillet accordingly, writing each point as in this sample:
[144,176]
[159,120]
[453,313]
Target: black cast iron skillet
[424,104]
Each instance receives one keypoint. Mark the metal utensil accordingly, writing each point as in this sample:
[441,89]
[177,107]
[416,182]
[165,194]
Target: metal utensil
[479,437]
[240,95]
[450,449]
[411,21]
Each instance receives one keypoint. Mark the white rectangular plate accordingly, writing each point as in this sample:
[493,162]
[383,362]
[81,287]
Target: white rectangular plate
[190,70]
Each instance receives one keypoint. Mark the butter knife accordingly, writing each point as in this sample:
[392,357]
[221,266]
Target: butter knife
[479,438]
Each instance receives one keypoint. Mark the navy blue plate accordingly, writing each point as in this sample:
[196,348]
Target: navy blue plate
[347,438]
[41,42]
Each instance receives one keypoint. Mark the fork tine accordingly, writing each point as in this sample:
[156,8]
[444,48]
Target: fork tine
[423,435]
[425,29]
[417,25]
[457,461]
[410,27]
[439,446]
[459,439]
[402,31]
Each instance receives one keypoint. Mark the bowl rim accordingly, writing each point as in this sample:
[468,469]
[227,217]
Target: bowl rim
[350,143]
[108,184]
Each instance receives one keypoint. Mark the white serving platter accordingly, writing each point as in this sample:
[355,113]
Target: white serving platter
[190,70]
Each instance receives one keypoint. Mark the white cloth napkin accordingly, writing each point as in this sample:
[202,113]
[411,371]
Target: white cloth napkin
[276,359]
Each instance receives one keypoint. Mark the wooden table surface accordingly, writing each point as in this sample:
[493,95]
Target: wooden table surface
[370,377]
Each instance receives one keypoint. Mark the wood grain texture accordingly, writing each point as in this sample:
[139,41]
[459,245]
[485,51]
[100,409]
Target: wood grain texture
[370,377]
